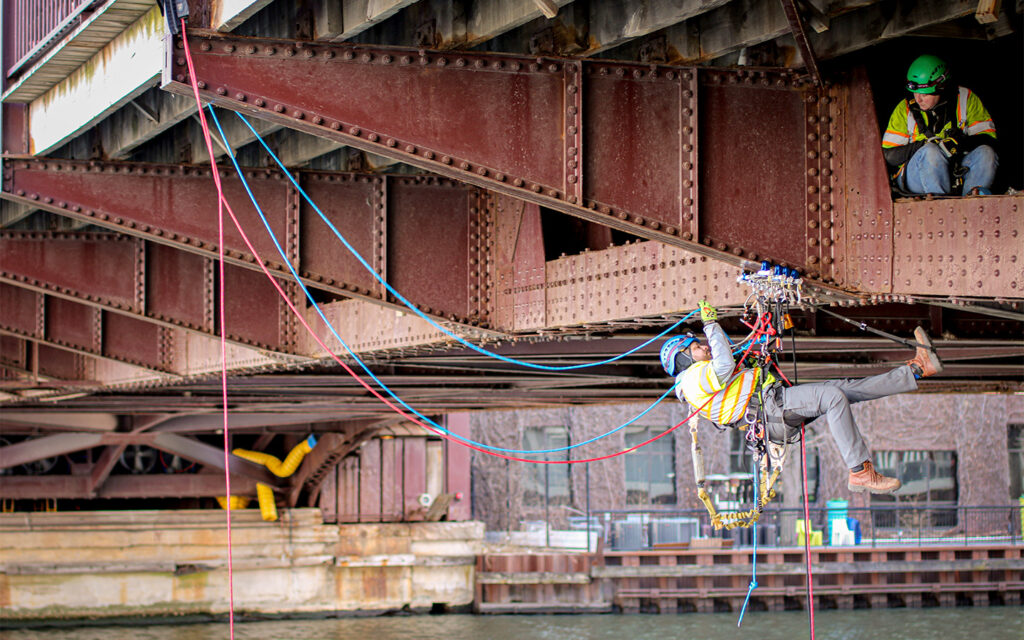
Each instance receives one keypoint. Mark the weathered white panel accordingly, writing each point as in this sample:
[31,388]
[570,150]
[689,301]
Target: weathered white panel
[123,69]
[228,14]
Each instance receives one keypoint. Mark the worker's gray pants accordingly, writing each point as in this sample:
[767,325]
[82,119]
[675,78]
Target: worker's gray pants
[788,407]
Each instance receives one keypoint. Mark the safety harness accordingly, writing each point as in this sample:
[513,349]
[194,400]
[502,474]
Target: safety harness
[766,314]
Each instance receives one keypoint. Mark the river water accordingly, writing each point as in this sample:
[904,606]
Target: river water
[981,623]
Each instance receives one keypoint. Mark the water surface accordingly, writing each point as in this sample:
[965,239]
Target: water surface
[982,623]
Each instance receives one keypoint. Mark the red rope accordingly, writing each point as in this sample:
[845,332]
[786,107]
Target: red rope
[400,411]
[223,324]
[807,532]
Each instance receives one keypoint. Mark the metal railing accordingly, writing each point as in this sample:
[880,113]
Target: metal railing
[30,26]
[635,530]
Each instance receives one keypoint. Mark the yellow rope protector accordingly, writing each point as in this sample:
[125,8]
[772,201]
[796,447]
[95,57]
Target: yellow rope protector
[264,492]
[766,485]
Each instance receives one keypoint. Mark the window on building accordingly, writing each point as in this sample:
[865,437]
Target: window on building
[929,484]
[551,480]
[1015,447]
[651,469]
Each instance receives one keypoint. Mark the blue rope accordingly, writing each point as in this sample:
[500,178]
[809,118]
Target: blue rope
[360,362]
[753,575]
[430,320]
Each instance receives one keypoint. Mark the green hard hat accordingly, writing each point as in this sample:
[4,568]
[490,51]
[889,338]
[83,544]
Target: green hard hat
[927,74]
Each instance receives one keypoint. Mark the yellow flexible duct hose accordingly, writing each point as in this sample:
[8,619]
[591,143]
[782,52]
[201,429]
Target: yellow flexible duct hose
[268,509]
[264,492]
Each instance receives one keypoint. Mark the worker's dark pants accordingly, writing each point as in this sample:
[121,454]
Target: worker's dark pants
[787,408]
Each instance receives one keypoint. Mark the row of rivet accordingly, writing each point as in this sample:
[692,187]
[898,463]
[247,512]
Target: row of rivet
[67,291]
[360,54]
[165,348]
[97,330]
[131,224]
[573,133]
[140,275]
[380,237]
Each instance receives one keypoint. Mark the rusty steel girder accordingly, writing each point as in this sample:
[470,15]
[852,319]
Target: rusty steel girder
[621,144]
[740,165]
[417,232]
[117,296]
[64,328]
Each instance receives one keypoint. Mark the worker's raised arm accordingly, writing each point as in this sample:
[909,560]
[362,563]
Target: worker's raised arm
[722,361]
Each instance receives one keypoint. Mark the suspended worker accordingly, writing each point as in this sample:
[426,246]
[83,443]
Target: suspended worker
[707,378]
[940,135]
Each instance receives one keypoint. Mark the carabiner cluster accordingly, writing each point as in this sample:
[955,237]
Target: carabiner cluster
[774,283]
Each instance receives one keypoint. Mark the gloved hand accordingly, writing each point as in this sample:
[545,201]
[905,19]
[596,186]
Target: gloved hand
[707,312]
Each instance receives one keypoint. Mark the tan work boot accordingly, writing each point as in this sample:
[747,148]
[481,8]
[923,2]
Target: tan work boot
[926,362]
[870,480]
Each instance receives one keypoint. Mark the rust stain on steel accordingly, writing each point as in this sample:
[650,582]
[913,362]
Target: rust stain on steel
[960,246]
[863,210]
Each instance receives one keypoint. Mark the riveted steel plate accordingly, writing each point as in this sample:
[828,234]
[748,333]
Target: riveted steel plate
[638,280]
[22,310]
[751,157]
[961,247]
[179,287]
[350,202]
[71,324]
[177,203]
[862,216]
[253,313]
[428,236]
[133,340]
[98,265]
[633,149]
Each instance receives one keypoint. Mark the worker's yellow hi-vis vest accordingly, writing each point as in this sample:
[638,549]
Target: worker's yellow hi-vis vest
[971,117]
[699,383]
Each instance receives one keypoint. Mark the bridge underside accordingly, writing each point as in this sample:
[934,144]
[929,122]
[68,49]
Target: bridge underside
[558,202]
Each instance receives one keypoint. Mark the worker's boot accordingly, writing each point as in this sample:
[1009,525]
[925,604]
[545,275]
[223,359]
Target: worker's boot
[926,362]
[870,480]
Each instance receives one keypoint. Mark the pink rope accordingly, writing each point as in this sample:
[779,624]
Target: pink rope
[807,533]
[223,324]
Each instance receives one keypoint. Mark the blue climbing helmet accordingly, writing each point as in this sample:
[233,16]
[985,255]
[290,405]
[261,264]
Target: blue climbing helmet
[675,354]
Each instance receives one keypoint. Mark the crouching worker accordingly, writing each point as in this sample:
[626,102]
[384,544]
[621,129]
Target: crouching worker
[707,378]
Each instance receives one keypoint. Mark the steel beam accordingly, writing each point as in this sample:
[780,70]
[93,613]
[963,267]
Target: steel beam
[124,486]
[112,290]
[416,231]
[197,451]
[652,150]
[19,453]
[615,143]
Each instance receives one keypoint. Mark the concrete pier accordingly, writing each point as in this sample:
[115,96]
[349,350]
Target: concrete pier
[167,563]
